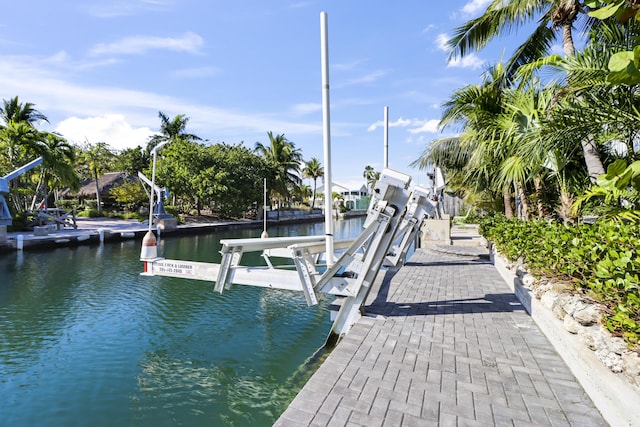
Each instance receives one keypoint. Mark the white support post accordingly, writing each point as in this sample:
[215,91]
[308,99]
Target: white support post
[264,234]
[386,137]
[326,133]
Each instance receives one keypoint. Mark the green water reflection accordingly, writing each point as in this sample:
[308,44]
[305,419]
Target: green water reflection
[85,340]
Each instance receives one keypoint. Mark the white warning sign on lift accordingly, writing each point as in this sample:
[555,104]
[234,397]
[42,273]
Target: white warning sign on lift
[174,267]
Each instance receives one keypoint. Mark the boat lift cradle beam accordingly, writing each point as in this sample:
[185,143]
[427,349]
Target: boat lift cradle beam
[352,274]
[419,208]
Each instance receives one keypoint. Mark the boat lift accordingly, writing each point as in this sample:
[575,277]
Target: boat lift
[393,219]
[419,208]
[161,195]
[5,215]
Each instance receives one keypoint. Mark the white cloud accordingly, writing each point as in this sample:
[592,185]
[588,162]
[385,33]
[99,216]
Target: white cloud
[441,42]
[190,43]
[102,9]
[468,61]
[428,28]
[300,5]
[60,57]
[474,6]
[365,79]
[60,97]
[398,123]
[429,126]
[63,60]
[110,128]
[303,109]
[347,66]
[195,73]
[419,140]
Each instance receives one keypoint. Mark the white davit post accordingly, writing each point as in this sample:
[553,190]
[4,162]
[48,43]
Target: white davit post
[326,137]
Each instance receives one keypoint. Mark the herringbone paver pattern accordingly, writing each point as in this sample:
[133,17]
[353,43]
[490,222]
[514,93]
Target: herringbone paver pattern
[448,344]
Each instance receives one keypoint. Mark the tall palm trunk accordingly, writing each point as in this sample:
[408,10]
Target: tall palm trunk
[537,183]
[508,202]
[313,201]
[589,150]
[567,39]
[592,158]
[34,200]
[564,210]
[524,202]
[98,197]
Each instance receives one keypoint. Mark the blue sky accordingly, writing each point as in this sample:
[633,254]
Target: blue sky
[101,70]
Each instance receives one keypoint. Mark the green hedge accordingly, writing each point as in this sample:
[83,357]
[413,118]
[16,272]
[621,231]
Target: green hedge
[600,260]
[89,213]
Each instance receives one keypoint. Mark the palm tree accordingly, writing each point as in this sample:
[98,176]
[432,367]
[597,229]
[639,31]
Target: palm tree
[501,144]
[18,132]
[372,176]
[477,108]
[284,159]
[20,141]
[554,17]
[13,110]
[58,165]
[171,130]
[611,109]
[589,106]
[303,192]
[97,158]
[517,125]
[313,170]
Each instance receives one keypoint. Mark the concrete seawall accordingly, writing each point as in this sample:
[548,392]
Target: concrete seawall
[95,230]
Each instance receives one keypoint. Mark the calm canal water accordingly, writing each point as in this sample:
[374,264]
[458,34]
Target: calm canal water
[86,341]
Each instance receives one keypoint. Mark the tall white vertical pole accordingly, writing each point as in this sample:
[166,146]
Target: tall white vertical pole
[326,133]
[264,234]
[386,137]
[154,153]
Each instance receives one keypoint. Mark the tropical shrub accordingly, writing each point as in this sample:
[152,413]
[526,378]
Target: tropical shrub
[89,213]
[67,204]
[616,195]
[600,260]
[130,195]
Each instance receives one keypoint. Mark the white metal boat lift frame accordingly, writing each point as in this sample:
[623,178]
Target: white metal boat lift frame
[393,220]
[394,215]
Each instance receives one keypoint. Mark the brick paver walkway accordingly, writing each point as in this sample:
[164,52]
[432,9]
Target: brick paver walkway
[448,344]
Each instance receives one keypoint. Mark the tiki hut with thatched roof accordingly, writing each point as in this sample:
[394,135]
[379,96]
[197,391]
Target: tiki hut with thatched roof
[105,183]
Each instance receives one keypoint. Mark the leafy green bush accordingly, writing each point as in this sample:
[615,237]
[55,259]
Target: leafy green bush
[130,195]
[20,221]
[90,204]
[616,195]
[601,260]
[67,204]
[89,213]
[133,215]
[172,210]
